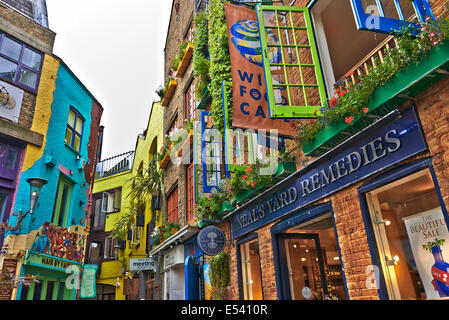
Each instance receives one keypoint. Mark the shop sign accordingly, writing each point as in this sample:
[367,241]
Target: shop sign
[43,260]
[250,101]
[174,257]
[378,149]
[211,240]
[142,264]
[88,281]
[9,267]
[429,239]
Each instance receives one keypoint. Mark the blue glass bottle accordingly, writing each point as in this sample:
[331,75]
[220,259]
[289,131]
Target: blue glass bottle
[443,288]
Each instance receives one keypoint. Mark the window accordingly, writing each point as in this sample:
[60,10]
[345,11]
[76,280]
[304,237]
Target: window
[109,244]
[94,252]
[105,203]
[293,74]
[19,63]
[191,192]
[74,130]
[172,206]
[9,161]
[388,15]
[412,237]
[62,201]
[250,270]
[190,101]
[211,155]
[189,33]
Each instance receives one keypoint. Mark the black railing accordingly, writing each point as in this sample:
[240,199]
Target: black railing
[115,165]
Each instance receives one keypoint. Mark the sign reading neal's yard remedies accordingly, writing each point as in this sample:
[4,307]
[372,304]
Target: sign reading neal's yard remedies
[384,147]
[211,240]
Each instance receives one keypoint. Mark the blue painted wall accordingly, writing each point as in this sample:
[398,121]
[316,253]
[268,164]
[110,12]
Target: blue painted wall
[68,93]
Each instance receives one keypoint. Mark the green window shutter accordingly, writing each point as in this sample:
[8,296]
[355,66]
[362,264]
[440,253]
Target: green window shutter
[293,76]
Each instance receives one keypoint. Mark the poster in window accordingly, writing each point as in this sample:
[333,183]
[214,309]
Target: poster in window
[429,241]
[10,101]
[250,104]
[207,284]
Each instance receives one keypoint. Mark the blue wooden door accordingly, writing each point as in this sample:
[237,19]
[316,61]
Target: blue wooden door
[191,275]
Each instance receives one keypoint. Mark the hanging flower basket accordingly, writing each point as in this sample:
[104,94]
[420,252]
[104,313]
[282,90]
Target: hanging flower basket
[165,161]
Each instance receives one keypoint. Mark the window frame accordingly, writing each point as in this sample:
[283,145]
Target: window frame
[61,207]
[75,133]
[207,188]
[190,101]
[190,194]
[20,65]
[173,210]
[388,25]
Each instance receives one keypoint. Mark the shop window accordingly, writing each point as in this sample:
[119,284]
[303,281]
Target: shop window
[74,131]
[310,261]
[37,290]
[105,292]
[412,237]
[62,203]
[250,270]
[172,206]
[50,290]
[190,172]
[19,63]
[388,15]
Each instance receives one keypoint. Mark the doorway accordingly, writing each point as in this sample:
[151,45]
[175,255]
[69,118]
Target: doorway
[309,264]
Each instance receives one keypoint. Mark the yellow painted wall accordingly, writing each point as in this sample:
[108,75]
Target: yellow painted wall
[110,270]
[42,111]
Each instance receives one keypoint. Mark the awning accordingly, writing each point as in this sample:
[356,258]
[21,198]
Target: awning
[178,238]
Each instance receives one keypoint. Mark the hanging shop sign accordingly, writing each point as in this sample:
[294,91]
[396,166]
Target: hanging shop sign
[88,281]
[371,152]
[9,267]
[142,264]
[429,239]
[211,240]
[250,104]
[10,101]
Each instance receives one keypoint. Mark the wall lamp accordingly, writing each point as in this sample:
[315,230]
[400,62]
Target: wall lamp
[36,185]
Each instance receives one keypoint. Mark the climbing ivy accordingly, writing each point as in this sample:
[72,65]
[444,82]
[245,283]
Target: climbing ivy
[220,277]
[200,53]
[220,62]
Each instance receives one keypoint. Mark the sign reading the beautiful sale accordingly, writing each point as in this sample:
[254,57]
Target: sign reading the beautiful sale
[250,104]
[429,240]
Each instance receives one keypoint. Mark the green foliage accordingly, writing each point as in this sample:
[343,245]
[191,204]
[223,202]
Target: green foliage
[431,244]
[147,183]
[209,204]
[179,55]
[124,223]
[349,102]
[220,276]
[200,53]
[220,62]
[160,234]
[162,90]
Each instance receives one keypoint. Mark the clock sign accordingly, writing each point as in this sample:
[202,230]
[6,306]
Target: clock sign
[211,240]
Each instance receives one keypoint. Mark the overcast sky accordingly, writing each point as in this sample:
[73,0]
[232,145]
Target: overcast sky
[116,49]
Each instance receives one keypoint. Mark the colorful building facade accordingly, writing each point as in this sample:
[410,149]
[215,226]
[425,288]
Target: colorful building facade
[330,223]
[120,275]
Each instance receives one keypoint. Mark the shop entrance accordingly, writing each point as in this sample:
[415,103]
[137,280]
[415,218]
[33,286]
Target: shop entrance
[412,237]
[310,261]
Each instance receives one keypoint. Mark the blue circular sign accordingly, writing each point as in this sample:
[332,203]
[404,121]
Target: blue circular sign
[211,240]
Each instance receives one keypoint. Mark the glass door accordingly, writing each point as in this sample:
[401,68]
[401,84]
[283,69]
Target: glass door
[305,266]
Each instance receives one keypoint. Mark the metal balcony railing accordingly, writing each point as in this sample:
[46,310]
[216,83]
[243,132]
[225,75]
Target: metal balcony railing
[115,165]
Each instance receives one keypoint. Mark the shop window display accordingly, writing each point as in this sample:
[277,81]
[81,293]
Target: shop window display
[412,237]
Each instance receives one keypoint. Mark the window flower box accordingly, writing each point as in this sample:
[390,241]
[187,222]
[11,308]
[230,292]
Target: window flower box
[403,86]
[165,161]
[170,91]
[188,140]
[185,60]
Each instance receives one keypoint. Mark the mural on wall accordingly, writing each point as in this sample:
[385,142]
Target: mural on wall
[10,101]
